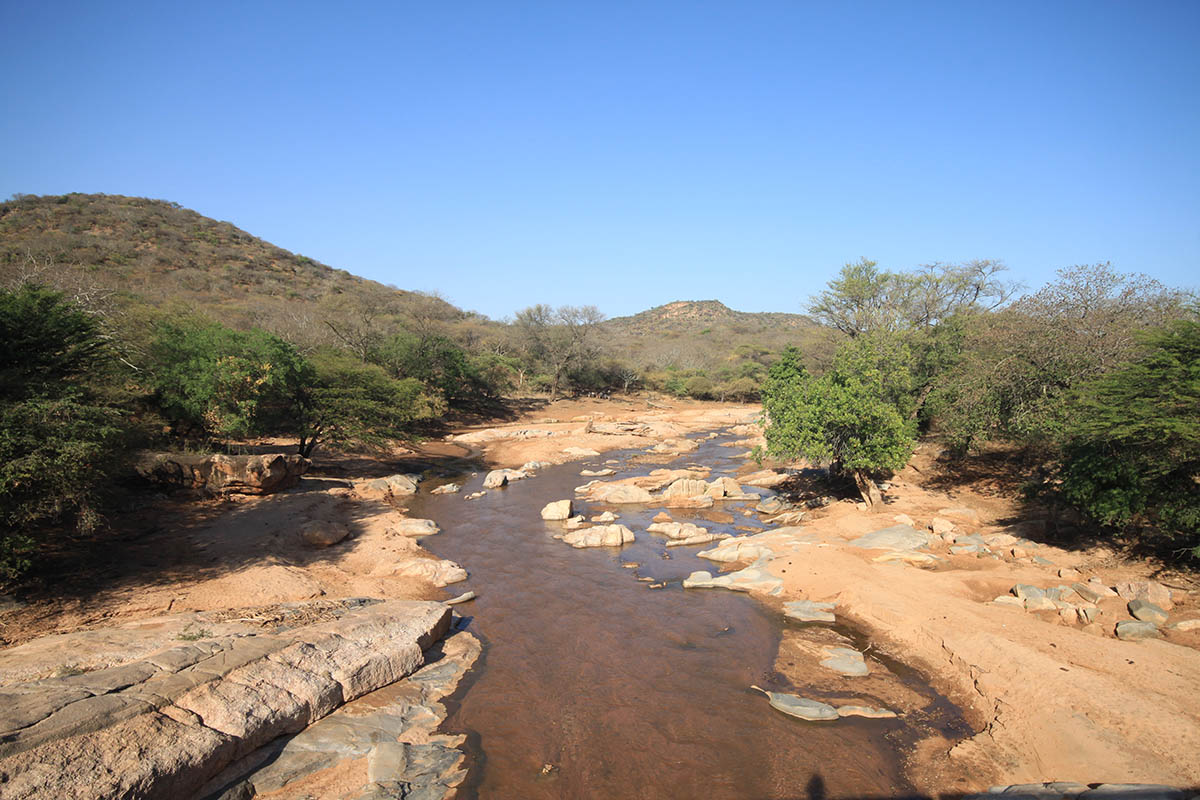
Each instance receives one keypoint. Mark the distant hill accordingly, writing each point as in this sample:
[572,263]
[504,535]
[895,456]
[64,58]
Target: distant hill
[703,334]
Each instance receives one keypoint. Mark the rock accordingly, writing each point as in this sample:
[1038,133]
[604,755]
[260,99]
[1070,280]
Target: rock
[575,523]
[699,538]
[1098,586]
[1144,610]
[865,711]
[558,510]
[580,452]
[1009,600]
[1019,552]
[1186,625]
[1089,592]
[897,537]
[415,527]
[319,533]
[607,516]
[905,519]
[447,488]
[600,536]
[1132,631]
[754,578]
[1151,591]
[725,487]
[765,478]
[686,487]
[940,526]
[999,539]
[693,501]
[189,726]
[661,516]
[625,494]
[845,661]
[1025,591]
[795,706]
[1043,562]
[474,495]
[739,548]
[390,486]
[772,505]
[1041,603]
[676,530]
[1068,573]
[222,474]
[787,518]
[1087,614]
[439,572]
[969,549]
[908,557]
[597,473]
[502,477]
[809,611]
[530,467]
[1062,593]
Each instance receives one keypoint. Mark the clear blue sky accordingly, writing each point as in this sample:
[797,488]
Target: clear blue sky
[628,154]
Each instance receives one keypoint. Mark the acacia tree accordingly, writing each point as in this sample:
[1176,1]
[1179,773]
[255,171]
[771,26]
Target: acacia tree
[851,418]
[558,339]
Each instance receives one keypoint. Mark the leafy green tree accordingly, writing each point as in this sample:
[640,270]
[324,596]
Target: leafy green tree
[222,381]
[699,387]
[63,432]
[850,418]
[1132,458]
[436,361]
[342,401]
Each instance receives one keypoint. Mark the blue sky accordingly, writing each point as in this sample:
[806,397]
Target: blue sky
[629,154]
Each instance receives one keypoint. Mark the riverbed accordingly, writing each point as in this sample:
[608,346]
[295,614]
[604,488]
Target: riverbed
[593,684]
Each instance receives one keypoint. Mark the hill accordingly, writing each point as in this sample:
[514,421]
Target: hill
[157,252]
[132,251]
[706,334]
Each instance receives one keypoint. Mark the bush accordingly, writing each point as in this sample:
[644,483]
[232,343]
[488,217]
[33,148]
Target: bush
[699,387]
[62,436]
[1132,459]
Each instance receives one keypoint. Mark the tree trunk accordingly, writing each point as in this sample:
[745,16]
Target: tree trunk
[867,488]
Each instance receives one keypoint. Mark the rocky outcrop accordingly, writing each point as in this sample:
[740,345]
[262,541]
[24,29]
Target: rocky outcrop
[502,477]
[218,474]
[390,486]
[165,725]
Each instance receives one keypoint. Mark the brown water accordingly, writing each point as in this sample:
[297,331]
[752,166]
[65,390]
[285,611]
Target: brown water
[625,691]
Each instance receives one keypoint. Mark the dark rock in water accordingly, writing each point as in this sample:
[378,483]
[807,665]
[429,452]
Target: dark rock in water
[222,474]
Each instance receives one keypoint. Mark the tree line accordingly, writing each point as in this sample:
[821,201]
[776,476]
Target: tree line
[1096,376]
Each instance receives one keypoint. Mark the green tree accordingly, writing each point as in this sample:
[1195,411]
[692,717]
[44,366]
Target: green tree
[1132,457]
[342,401]
[222,381]
[850,418]
[63,430]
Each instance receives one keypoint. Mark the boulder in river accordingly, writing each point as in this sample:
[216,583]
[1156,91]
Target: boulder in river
[625,494]
[686,487]
[600,536]
[415,527]
[502,477]
[558,510]
[448,488]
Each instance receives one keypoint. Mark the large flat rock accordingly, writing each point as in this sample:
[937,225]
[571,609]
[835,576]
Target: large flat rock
[163,725]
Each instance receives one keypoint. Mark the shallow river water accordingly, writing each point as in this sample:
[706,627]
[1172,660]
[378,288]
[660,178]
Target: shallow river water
[593,685]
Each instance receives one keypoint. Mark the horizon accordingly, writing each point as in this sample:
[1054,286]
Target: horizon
[624,156]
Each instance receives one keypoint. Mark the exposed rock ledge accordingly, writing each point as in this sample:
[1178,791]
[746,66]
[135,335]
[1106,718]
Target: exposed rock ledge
[222,474]
[167,724]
